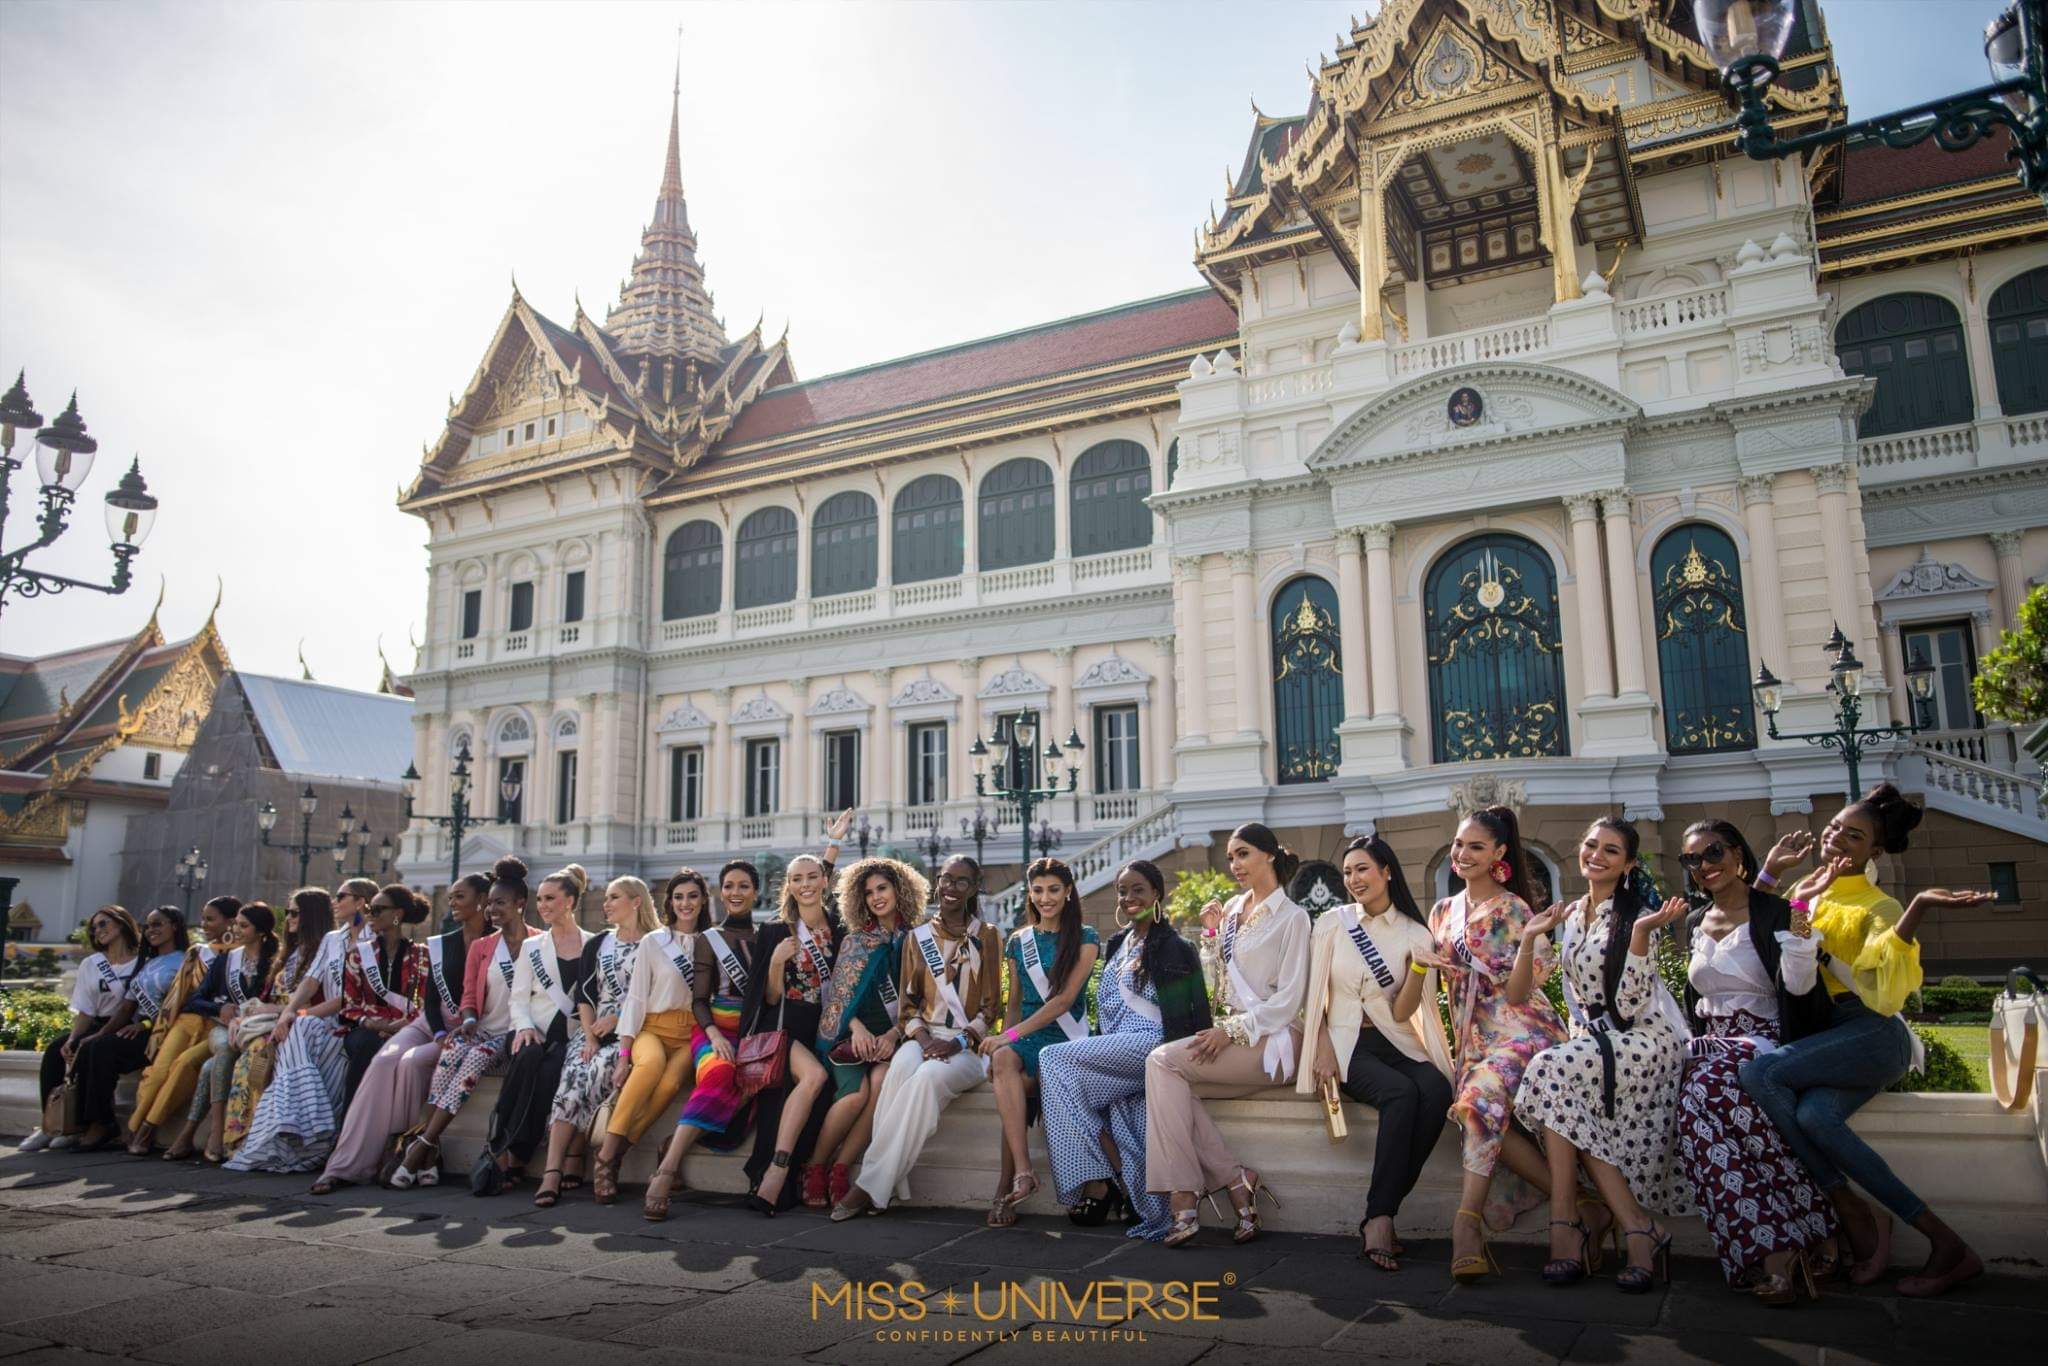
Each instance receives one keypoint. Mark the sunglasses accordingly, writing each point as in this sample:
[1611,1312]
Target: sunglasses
[1713,853]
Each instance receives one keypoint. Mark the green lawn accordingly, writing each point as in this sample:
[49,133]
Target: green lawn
[1970,1040]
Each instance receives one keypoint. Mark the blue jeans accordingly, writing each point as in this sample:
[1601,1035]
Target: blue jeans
[1811,1086]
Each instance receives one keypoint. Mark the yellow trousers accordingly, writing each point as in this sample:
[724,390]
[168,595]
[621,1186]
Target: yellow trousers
[661,1058]
[167,1086]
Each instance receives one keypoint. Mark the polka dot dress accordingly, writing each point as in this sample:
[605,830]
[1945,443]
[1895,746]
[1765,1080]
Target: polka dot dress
[1563,1088]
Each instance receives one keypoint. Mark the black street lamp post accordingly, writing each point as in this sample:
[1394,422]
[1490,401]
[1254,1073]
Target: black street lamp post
[1047,838]
[935,847]
[191,876]
[981,829]
[305,848]
[1014,737]
[1745,38]
[1846,683]
[459,817]
[64,457]
[865,834]
[360,835]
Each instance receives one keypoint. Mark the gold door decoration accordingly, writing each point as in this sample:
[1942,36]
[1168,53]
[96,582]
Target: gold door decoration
[1495,666]
[1308,681]
[1702,645]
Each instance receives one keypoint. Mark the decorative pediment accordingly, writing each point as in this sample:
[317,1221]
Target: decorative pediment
[839,701]
[1450,64]
[1015,681]
[530,381]
[759,708]
[1115,671]
[923,692]
[685,716]
[1473,405]
[1930,588]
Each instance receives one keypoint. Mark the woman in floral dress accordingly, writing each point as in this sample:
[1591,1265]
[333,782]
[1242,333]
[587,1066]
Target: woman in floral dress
[1478,933]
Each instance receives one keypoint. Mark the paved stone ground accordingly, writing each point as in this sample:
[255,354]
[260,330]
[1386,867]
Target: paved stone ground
[106,1258]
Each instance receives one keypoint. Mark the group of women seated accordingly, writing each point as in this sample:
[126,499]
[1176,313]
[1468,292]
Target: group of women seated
[832,1040]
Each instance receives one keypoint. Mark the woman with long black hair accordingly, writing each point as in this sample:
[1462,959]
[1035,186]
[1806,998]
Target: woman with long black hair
[1092,1091]
[121,1045]
[308,923]
[1869,960]
[1607,1098]
[1264,939]
[97,994]
[1372,1022]
[234,982]
[1049,961]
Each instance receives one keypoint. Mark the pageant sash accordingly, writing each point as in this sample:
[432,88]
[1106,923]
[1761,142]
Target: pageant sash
[1369,951]
[366,959]
[1127,987]
[681,952]
[501,959]
[610,955]
[1278,1056]
[728,962]
[436,958]
[235,992]
[927,940]
[148,1004]
[111,982]
[1027,950]
[537,961]
[891,1002]
[820,960]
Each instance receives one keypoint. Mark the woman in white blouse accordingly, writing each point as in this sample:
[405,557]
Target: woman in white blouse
[1373,1022]
[1265,940]
[101,986]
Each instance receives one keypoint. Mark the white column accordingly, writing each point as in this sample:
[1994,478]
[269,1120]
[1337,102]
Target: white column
[1379,589]
[1243,616]
[1629,675]
[967,730]
[2012,576]
[728,560]
[1063,696]
[797,796]
[1835,545]
[1191,653]
[716,801]
[1157,767]
[1062,508]
[1351,625]
[880,785]
[736,803]
[1764,600]
[885,541]
[970,523]
[1595,663]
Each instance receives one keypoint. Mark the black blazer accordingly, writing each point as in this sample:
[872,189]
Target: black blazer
[1183,995]
[454,967]
[799,1019]
[1798,1016]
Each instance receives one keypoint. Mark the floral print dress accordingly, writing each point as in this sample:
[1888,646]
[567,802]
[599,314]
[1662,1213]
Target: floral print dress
[1493,1040]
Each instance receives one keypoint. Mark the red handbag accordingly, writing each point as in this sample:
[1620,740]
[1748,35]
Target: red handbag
[762,1062]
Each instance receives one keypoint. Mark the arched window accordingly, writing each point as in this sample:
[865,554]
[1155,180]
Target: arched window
[1016,514]
[843,544]
[1912,345]
[1702,652]
[692,565]
[765,571]
[1308,684]
[2018,318]
[1108,487]
[1496,669]
[926,539]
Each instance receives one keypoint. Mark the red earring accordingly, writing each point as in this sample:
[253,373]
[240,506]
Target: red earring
[1501,872]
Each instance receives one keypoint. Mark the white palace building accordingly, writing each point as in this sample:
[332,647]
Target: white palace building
[1513,421]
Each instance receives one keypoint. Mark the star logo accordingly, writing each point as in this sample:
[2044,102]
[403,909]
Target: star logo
[951,1301]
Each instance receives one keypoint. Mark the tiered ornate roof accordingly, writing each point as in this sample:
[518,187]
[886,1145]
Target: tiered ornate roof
[664,310]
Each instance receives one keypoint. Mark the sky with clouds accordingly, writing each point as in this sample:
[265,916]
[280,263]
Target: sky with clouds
[265,242]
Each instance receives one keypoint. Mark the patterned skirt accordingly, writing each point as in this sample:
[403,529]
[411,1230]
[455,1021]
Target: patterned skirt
[1756,1197]
[295,1122]
[715,1104]
[586,1084]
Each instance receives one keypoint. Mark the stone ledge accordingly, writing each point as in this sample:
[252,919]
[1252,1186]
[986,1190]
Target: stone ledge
[1981,1168]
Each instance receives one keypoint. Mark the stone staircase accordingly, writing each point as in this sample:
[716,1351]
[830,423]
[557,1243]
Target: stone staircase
[1974,790]
[1148,836]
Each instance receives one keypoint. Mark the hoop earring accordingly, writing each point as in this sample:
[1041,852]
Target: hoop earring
[1121,923]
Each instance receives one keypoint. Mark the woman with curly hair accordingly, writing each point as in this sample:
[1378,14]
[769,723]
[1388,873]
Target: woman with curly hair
[102,984]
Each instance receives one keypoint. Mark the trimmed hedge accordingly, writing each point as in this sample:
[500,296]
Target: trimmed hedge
[1946,1070]
[1948,999]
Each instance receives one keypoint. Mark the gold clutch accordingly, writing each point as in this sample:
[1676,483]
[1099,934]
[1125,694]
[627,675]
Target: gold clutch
[1333,1111]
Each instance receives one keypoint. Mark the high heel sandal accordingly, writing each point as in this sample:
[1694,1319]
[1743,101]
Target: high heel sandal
[1121,1207]
[405,1178]
[1248,1213]
[572,1172]
[1570,1270]
[1186,1224]
[1091,1211]
[761,1204]
[838,1182]
[1004,1212]
[654,1205]
[1385,1258]
[813,1182]
[1867,1270]
[1780,1290]
[1639,1280]
[545,1198]
[1473,1266]
[1824,1265]
[604,1180]
[1609,1235]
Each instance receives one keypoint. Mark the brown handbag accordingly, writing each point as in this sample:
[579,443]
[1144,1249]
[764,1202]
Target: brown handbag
[762,1062]
[61,1111]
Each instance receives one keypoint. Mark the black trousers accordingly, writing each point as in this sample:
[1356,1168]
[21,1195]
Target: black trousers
[53,1060]
[1413,1098]
[360,1047]
[100,1065]
[519,1124]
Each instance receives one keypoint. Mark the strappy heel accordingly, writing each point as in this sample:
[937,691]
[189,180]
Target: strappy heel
[1186,1224]
[405,1178]
[1781,1290]
[654,1206]
[1091,1211]
[1385,1258]
[1248,1213]
[1639,1280]
[759,1203]
[604,1180]
[545,1198]
[1609,1235]
[1570,1270]
[1473,1266]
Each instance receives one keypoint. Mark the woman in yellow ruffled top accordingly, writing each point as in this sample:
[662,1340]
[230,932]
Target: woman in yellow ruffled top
[1869,958]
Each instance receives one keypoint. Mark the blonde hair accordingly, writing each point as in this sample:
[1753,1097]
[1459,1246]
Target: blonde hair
[644,914]
[573,878]
[913,893]
[786,910]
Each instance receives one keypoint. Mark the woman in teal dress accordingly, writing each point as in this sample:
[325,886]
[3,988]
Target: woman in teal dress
[1049,962]
[881,901]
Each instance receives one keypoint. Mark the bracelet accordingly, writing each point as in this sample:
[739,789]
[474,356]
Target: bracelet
[1802,906]
[1418,969]
[1764,878]
[1208,932]
[1010,1034]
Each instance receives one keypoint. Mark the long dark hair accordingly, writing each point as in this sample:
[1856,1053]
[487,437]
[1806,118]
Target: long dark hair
[316,915]
[259,914]
[1626,906]
[122,921]
[181,938]
[1285,863]
[1069,952]
[1890,815]
[1382,853]
[1152,952]
[1500,822]
[666,910]
[1729,834]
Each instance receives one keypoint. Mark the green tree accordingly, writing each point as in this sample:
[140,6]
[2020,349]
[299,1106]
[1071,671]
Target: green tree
[2012,679]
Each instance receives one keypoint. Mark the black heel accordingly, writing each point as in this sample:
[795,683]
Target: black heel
[1569,1270]
[1120,1207]
[767,1208]
[1640,1280]
[1091,1211]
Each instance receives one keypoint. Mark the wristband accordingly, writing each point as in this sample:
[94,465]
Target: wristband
[1010,1034]
[1802,906]
[1208,932]
[1764,879]
[1418,969]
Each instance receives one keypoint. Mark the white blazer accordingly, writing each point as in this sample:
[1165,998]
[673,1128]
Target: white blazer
[532,1005]
[1344,995]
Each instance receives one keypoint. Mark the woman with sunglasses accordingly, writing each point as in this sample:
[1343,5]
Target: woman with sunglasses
[1767,1217]
[1869,961]
[121,1045]
[307,924]
[233,983]
[102,982]
[179,1045]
